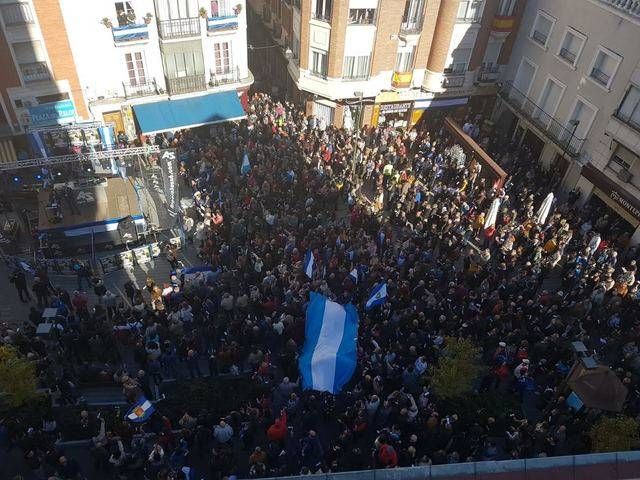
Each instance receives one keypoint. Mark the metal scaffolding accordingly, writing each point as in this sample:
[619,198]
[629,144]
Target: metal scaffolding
[78,157]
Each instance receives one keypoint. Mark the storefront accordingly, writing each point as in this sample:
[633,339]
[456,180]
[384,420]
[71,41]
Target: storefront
[432,110]
[618,201]
[395,114]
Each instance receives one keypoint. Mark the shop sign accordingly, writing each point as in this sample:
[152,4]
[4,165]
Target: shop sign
[618,195]
[386,108]
[54,113]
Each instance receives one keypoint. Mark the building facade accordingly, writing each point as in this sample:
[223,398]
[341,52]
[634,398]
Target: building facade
[572,94]
[385,61]
[70,61]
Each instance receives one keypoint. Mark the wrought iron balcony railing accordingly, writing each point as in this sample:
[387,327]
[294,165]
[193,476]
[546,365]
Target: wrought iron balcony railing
[192,83]
[179,28]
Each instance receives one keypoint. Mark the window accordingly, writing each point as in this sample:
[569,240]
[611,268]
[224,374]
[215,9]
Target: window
[579,123]
[295,47]
[542,27]
[412,17]
[54,97]
[16,14]
[524,78]
[571,46]
[135,69]
[605,65]
[470,11]
[548,101]
[175,9]
[506,7]
[362,16]
[220,8]
[319,63]
[125,14]
[629,110]
[222,56]
[322,10]
[459,61]
[404,60]
[183,59]
[356,67]
[31,59]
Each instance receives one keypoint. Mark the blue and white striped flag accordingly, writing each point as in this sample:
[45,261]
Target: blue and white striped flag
[378,296]
[329,355]
[246,166]
[353,275]
[308,264]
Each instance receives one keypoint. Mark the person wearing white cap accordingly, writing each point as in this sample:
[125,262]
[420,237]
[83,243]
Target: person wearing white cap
[522,369]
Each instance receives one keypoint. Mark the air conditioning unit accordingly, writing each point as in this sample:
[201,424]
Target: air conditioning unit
[624,175]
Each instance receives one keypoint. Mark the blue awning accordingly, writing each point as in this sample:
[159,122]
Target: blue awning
[188,112]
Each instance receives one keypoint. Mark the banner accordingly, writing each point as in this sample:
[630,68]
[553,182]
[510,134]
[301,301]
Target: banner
[169,165]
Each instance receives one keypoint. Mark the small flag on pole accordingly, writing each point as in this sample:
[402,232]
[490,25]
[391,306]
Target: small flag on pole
[141,411]
[378,296]
[308,264]
[246,166]
[353,275]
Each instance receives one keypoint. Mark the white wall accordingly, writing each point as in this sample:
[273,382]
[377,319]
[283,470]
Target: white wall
[601,27]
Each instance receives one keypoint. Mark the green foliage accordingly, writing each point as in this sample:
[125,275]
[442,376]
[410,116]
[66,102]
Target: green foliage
[17,378]
[457,369]
[614,434]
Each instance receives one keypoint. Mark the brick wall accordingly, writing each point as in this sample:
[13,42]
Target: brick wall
[8,76]
[57,43]
[505,52]
[339,17]
[305,15]
[426,36]
[442,35]
[388,23]
[479,49]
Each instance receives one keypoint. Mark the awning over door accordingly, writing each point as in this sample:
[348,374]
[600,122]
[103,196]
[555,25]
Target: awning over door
[188,112]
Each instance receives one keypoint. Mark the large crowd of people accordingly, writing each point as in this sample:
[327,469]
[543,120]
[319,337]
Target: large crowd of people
[396,206]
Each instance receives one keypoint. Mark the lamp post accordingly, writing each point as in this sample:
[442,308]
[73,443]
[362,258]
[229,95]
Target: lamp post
[358,94]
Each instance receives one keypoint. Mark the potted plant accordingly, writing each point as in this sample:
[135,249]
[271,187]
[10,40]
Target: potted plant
[106,21]
[203,12]
[237,9]
[147,18]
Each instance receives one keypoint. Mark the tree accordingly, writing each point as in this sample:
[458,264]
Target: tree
[614,434]
[457,369]
[17,378]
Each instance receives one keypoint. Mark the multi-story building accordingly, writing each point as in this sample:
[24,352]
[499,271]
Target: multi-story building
[572,94]
[68,61]
[386,60]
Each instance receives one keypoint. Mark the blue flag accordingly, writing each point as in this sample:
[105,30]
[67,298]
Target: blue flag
[141,410]
[308,264]
[246,166]
[329,355]
[378,296]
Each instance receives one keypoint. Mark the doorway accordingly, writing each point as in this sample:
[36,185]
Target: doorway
[114,118]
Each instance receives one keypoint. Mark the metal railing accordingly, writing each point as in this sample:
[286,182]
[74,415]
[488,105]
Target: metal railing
[17,14]
[317,74]
[224,78]
[635,124]
[322,16]
[138,89]
[540,37]
[411,25]
[179,28]
[600,77]
[192,83]
[568,55]
[489,74]
[562,136]
[630,7]
[35,72]
[453,80]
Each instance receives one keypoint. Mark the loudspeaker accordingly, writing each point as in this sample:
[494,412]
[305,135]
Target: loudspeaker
[127,229]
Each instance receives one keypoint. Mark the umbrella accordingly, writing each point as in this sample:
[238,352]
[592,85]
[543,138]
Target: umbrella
[598,387]
[492,214]
[544,210]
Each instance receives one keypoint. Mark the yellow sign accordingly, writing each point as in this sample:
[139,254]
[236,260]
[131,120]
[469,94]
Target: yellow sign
[401,80]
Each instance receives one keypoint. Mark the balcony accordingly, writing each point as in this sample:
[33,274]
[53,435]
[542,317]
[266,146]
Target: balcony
[192,83]
[629,120]
[401,79]
[630,8]
[411,26]
[568,55]
[35,72]
[453,80]
[130,33]
[600,77]
[221,23]
[137,89]
[503,23]
[550,127]
[179,28]
[488,74]
[321,16]
[224,78]
[540,38]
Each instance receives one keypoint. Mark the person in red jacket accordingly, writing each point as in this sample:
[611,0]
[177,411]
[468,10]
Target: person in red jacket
[278,431]
[387,456]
